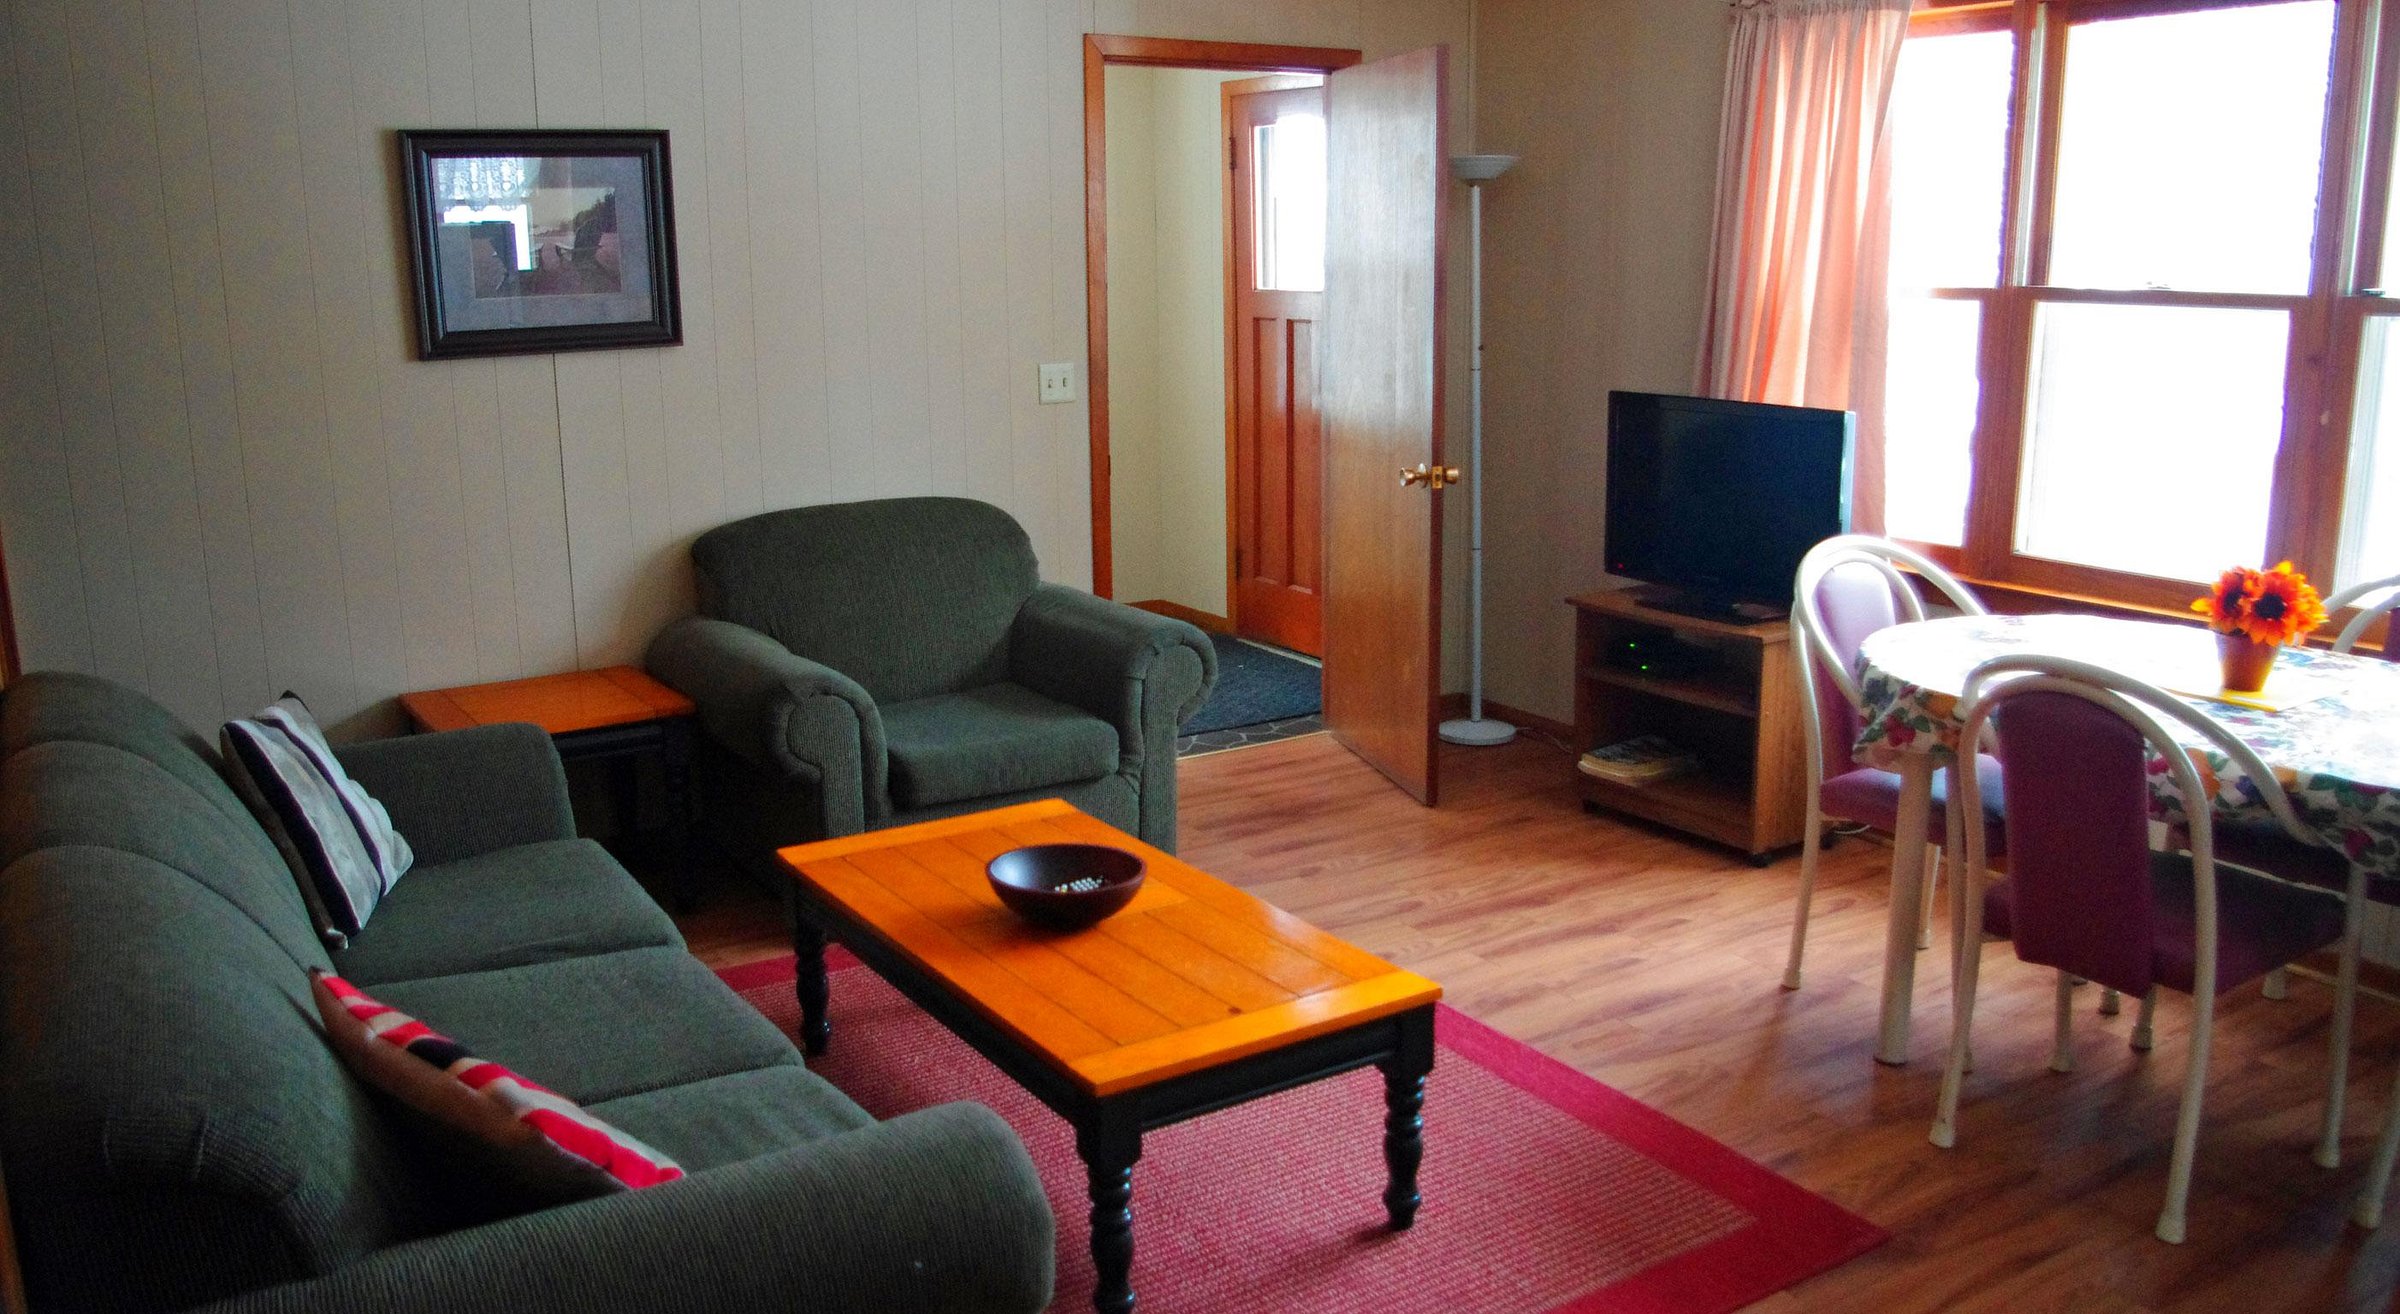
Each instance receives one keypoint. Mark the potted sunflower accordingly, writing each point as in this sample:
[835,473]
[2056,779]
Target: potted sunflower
[2255,613]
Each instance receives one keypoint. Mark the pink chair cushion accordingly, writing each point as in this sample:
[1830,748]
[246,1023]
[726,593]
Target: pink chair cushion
[2262,846]
[2261,925]
[2079,838]
[1855,602]
[1872,798]
[2084,892]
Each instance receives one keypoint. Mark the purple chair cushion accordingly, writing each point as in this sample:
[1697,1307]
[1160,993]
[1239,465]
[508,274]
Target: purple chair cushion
[2079,838]
[1872,798]
[1854,601]
[2261,925]
[2262,846]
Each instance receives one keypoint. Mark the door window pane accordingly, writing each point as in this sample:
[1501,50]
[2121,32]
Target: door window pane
[1949,159]
[2371,509]
[2152,435]
[1930,396]
[2188,149]
[1289,204]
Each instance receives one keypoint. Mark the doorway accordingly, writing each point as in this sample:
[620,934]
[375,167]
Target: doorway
[1205,476]
[1322,548]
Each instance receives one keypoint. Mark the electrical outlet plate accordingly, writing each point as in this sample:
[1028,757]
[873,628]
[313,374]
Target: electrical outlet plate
[1057,384]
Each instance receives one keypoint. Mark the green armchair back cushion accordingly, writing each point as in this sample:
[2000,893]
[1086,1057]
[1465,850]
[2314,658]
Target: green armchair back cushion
[870,663]
[908,597]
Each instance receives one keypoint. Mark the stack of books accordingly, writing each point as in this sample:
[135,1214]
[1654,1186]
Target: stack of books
[1637,761]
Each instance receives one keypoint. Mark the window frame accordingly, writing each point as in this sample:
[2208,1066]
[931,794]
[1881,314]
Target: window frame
[2328,317]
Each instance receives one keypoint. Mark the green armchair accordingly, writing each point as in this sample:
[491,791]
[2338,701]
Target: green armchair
[868,664]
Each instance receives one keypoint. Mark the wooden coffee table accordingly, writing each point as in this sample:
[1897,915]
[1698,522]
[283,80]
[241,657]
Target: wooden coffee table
[1194,998]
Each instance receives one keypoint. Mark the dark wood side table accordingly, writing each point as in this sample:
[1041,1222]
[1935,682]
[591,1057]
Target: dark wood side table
[615,712]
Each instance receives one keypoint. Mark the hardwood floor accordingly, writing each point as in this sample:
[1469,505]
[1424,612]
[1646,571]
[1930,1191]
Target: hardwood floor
[1652,962]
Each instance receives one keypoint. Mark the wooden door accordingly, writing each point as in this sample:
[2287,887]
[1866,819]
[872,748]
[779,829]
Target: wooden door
[1275,131]
[1382,404]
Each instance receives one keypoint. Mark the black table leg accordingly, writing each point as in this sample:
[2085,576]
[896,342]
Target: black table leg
[1110,1146]
[808,945]
[1403,1119]
[676,755]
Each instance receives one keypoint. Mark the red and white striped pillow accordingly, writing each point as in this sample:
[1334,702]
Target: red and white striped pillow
[546,1143]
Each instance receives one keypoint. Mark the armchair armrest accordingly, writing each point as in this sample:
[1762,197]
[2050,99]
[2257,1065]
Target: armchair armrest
[934,1212]
[463,792]
[1145,674]
[782,713]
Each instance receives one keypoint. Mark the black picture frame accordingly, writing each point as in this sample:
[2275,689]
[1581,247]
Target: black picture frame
[536,240]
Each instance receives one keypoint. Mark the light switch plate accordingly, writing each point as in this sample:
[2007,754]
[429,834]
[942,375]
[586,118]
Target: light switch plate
[1058,384]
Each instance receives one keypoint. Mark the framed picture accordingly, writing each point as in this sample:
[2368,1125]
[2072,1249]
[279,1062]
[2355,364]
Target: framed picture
[540,241]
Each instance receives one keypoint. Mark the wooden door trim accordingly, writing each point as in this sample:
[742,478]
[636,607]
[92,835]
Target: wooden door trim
[11,666]
[1100,51]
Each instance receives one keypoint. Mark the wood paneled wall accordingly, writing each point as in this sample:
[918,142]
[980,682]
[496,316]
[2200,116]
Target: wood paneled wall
[222,473]
[1595,251]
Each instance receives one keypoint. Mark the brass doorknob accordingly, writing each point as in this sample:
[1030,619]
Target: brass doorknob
[1432,476]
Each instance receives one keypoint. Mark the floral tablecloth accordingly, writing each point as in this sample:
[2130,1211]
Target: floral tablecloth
[2338,754]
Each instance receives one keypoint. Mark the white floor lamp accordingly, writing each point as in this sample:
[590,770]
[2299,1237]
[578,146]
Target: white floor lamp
[1475,171]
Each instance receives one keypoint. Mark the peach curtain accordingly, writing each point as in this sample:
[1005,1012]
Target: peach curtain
[1799,255]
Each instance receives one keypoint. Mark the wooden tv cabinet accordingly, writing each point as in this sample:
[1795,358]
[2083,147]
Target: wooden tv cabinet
[1738,708]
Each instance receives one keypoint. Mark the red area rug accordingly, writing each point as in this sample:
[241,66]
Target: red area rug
[1545,1191]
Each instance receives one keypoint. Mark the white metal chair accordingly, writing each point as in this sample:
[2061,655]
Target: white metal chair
[1849,587]
[2367,615]
[2369,1210]
[2086,894]
[2260,848]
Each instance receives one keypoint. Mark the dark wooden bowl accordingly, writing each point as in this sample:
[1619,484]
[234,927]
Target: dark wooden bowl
[1030,880]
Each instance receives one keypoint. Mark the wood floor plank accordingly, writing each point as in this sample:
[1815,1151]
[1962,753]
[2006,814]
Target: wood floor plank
[1651,963]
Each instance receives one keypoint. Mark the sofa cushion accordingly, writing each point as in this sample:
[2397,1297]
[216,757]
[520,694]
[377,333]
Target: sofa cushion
[71,793]
[47,706]
[909,596]
[598,1028]
[725,1120]
[993,740]
[337,839]
[535,903]
[529,1141]
[173,1125]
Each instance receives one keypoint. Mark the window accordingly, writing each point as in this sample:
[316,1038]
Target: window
[1288,208]
[2136,332]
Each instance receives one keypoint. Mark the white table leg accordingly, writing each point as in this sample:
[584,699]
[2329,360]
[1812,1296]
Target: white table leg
[2345,1003]
[1908,896]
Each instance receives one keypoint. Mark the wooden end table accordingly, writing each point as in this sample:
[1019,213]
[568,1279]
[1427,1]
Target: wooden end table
[615,712]
[1196,997]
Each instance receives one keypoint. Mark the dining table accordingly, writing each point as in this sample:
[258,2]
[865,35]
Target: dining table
[2327,724]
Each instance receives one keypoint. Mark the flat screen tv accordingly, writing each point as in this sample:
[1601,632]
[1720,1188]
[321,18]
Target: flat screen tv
[1717,501]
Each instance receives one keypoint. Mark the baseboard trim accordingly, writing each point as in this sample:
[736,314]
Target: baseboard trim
[1454,705]
[1207,620]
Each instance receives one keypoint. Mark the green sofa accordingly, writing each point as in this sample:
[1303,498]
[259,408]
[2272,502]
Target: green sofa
[868,664]
[175,1132]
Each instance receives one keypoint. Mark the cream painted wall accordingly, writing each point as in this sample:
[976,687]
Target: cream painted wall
[1166,334]
[223,475]
[1596,247]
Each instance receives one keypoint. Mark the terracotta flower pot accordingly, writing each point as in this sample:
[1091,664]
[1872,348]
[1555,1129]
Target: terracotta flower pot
[2246,662]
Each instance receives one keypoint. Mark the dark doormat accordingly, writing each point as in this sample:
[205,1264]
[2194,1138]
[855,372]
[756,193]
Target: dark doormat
[1256,684]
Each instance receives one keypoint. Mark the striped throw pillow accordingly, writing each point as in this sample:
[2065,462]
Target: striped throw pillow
[337,838]
[546,1147]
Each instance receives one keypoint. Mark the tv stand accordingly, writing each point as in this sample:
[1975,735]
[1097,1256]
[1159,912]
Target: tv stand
[1736,707]
[1708,606]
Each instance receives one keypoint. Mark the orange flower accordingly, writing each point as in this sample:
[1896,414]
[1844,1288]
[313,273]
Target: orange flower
[2265,606]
